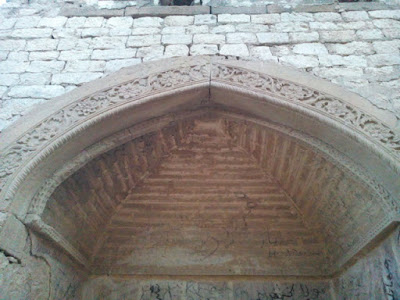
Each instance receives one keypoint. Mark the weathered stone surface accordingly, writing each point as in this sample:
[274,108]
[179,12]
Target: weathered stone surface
[205,19]
[239,38]
[310,49]
[208,38]
[74,78]
[228,18]
[299,61]
[203,49]
[36,91]
[46,66]
[41,45]
[113,54]
[148,22]
[266,19]
[273,38]
[141,41]
[117,64]
[234,50]
[176,50]
[169,39]
[46,55]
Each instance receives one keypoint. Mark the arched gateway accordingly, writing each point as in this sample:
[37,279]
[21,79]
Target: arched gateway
[203,166]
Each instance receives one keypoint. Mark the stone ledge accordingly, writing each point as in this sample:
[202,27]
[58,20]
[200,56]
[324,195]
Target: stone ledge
[163,11]
[252,10]
[90,12]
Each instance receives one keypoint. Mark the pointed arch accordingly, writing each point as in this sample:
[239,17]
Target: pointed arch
[56,141]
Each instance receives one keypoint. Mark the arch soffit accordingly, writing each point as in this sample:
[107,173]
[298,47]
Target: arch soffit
[44,137]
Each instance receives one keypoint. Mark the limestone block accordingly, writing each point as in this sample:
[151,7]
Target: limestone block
[55,22]
[43,55]
[386,23]
[387,46]
[30,33]
[27,22]
[338,60]
[75,54]
[169,39]
[76,22]
[266,19]
[355,25]
[3,55]
[385,14]
[340,36]
[36,91]
[328,17]
[18,55]
[35,78]
[323,26]
[93,32]
[85,66]
[176,50]
[299,61]
[13,66]
[148,22]
[7,23]
[235,50]
[310,49]
[74,78]
[223,29]
[12,45]
[3,90]
[203,49]
[179,20]
[383,60]
[346,72]
[94,22]
[174,30]
[119,22]
[208,38]
[193,29]
[355,15]
[273,38]
[115,65]
[108,42]
[41,45]
[9,79]
[145,30]
[60,33]
[150,53]
[228,18]
[205,19]
[251,27]
[240,38]
[46,66]
[392,33]
[291,27]
[297,17]
[351,48]
[74,44]
[263,53]
[370,34]
[113,54]
[301,37]
[141,41]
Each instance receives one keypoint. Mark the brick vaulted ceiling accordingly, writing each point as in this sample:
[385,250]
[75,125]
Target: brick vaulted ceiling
[213,195]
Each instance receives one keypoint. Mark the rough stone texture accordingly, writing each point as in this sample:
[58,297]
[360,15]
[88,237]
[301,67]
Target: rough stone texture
[376,276]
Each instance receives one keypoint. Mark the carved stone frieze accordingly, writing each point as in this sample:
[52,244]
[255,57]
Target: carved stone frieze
[321,102]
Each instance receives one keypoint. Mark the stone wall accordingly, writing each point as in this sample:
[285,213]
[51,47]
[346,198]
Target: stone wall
[376,276]
[43,55]
[34,269]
